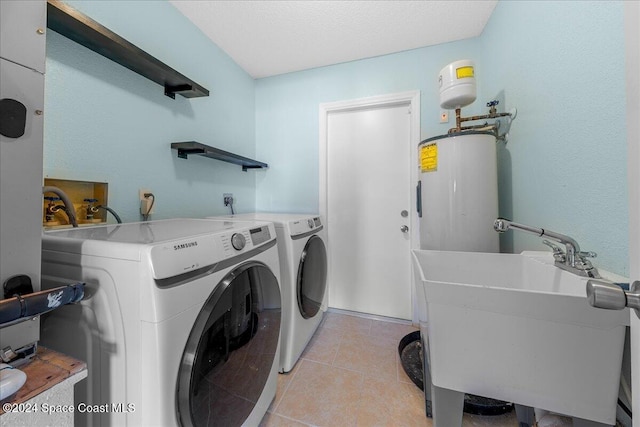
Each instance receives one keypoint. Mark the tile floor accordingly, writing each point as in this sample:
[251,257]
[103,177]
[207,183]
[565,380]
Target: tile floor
[350,375]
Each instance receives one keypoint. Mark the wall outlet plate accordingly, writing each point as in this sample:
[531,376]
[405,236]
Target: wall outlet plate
[145,202]
[142,192]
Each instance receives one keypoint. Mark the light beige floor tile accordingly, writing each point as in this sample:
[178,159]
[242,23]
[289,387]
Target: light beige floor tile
[373,356]
[395,331]
[347,324]
[391,403]
[323,346]
[366,385]
[322,395]
[283,383]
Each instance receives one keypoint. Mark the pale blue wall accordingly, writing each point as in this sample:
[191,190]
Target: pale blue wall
[287,114]
[560,63]
[106,123]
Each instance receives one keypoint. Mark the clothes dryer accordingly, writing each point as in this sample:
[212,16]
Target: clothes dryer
[303,269]
[180,324]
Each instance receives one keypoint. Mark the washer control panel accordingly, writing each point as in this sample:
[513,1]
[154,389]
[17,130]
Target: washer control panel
[244,240]
[305,225]
[238,241]
[173,257]
[260,235]
[235,242]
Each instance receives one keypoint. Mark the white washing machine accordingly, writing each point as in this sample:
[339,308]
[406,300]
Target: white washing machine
[303,269]
[180,324]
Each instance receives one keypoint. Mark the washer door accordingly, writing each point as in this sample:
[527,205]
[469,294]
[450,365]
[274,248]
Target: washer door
[312,277]
[231,349]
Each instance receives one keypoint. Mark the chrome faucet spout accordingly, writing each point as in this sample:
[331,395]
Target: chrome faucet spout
[501,225]
[572,259]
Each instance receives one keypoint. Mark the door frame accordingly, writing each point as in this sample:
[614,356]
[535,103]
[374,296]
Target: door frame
[632,55]
[409,98]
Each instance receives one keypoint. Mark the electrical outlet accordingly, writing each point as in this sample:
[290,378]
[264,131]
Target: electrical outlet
[147,204]
[227,198]
[142,192]
[444,116]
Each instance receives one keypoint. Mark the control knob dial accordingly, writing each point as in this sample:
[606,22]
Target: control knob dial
[238,241]
[310,223]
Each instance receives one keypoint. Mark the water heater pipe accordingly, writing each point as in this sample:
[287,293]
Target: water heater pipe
[493,114]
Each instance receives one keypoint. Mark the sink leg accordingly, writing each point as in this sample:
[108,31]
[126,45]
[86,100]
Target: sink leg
[580,422]
[526,416]
[426,379]
[447,407]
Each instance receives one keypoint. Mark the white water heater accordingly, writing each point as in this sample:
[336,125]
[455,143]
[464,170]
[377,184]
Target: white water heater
[459,192]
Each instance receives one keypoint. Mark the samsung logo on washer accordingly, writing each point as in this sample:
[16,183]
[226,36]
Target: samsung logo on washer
[185,245]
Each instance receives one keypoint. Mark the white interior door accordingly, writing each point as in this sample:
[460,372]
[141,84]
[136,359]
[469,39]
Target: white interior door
[632,53]
[369,208]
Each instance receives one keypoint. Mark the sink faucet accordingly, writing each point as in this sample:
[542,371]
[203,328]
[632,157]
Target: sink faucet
[572,259]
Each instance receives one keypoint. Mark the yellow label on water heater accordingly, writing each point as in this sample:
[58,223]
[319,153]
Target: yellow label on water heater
[464,72]
[429,158]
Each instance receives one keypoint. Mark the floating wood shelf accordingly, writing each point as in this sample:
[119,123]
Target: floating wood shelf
[78,27]
[192,147]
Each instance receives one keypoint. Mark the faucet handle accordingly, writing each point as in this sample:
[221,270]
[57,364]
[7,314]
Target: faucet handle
[558,255]
[587,254]
[553,246]
[584,265]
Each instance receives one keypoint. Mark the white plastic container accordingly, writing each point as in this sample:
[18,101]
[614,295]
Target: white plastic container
[457,84]
[459,180]
[517,328]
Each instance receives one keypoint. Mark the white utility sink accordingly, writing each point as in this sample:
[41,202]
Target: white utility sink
[514,327]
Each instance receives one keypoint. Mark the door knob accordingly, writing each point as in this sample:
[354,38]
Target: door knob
[603,294]
[404,229]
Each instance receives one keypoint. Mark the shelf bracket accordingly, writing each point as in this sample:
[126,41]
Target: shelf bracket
[184,153]
[171,91]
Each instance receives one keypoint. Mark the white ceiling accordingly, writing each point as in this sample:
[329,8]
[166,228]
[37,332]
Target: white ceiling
[272,37]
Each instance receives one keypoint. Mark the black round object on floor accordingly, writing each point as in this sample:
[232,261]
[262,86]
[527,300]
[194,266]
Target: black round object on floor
[479,405]
[411,356]
[410,349]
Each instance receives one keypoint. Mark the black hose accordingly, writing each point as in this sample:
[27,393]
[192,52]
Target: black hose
[108,209]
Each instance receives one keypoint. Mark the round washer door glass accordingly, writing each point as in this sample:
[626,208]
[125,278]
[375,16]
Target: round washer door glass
[312,277]
[231,349]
